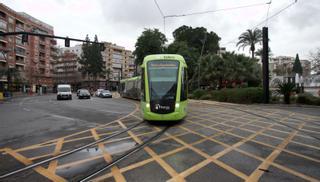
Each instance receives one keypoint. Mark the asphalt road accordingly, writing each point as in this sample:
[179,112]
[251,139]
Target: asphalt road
[34,119]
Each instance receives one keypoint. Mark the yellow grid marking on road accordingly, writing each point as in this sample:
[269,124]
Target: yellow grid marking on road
[53,164]
[155,156]
[44,172]
[228,149]
[107,157]
[52,141]
[255,176]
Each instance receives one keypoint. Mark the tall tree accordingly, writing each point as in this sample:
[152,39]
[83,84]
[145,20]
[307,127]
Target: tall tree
[151,41]
[250,38]
[297,68]
[197,37]
[91,59]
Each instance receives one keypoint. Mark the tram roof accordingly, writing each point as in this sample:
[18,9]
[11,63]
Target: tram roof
[153,57]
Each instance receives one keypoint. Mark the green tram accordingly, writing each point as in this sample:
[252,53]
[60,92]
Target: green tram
[162,87]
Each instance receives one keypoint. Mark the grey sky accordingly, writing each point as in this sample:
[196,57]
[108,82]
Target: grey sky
[295,30]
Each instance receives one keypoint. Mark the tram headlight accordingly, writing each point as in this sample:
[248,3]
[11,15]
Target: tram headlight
[177,105]
[147,105]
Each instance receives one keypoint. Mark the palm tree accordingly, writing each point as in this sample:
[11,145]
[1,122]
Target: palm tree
[250,38]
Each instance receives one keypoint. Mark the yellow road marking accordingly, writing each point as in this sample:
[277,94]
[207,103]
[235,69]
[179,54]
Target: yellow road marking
[107,157]
[53,164]
[39,169]
[155,156]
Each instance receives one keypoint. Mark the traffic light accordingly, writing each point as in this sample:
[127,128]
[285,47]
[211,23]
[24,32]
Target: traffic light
[24,38]
[67,42]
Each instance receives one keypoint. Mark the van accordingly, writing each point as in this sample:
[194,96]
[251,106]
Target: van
[64,92]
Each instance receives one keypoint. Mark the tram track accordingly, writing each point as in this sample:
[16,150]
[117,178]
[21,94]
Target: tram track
[127,154]
[69,152]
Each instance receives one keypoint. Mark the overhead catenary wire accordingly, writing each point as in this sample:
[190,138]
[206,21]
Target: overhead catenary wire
[217,10]
[266,19]
[164,17]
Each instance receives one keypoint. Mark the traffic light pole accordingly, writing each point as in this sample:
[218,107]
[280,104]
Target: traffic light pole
[67,39]
[265,64]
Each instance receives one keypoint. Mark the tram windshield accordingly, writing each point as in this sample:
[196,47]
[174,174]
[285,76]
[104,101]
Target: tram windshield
[162,77]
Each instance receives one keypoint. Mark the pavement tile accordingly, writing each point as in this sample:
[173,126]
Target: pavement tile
[183,160]
[307,140]
[134,158]
[240,132]
[267,140]
[227,139]
[308,167]
[209,147]
[76,144]
[190,138]
[207,131]
[276,174]
[276,133]
[252,127]
[282,128]
[38,151]
[77,172]
[241,162]
[212,172]
[164,146]
[149,172]
[312,128]
[256,149]
[232,123]
[304,150]
[222,127]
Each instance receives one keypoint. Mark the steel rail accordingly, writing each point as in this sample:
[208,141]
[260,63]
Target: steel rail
[69,152]
[129,153]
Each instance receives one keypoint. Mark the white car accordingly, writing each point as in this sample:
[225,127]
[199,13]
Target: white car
[64,92]
[98,91]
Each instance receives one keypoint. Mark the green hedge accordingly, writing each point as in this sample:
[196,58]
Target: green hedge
[234,95]
[307,98]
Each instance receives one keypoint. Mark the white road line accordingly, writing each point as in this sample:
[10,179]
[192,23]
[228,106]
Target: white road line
[26,109]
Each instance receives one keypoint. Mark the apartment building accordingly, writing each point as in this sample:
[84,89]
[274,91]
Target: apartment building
[118,62]
[65,69]
[31,59]
[282,66]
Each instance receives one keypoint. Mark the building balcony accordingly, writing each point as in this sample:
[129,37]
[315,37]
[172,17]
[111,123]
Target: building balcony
[3,79]
[21,54]
[19,29]
[20,62]
[42,58]
[2,39]
[41,66]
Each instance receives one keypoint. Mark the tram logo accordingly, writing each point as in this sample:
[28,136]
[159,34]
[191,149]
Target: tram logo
[158,106]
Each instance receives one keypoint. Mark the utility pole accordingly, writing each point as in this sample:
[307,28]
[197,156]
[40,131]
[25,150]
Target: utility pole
[265,64]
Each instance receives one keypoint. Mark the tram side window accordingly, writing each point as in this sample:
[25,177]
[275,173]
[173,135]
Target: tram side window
[143,97]
[184,85]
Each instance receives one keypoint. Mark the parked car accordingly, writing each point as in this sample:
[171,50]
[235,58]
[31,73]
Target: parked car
[105,94]
[98,92]
[64,92]
[84,94]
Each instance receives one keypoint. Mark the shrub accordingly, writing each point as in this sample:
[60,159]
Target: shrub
[198,93]
[286,89]
[307,98]
[238,95]
[205,97]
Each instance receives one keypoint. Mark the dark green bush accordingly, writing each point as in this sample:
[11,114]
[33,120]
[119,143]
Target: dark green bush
[307,98]
[205,97]
[234,95]
[198,93]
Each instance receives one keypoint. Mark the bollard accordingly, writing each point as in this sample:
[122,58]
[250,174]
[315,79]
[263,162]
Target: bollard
[1,95]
